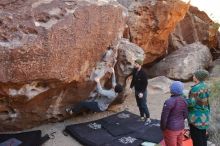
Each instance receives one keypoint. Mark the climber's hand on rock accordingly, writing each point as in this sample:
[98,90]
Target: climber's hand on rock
[96,79]
[112,70]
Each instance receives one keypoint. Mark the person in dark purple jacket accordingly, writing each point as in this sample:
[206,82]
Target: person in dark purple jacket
[173,115]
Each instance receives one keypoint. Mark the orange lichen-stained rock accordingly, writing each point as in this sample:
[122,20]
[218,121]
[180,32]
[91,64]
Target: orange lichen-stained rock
[151,22]
[48,50]
[196,26]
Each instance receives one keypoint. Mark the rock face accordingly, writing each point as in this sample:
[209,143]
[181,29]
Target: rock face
[48,51]
[196,26]
[151,22]
[182,63]
[159,85]
[127,54]
[41,39]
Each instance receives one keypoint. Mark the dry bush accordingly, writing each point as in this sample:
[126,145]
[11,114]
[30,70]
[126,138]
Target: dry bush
[214,100]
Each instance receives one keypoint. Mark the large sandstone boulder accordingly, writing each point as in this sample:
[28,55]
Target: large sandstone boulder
[159,85]
[196,26]
[127,54]
[151,22]
[182,63]
[47,39]
[49,49]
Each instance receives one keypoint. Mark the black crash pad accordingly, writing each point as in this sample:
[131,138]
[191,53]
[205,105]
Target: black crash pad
[120,129]
[150,133]
[31,138]
[126,140]
[122,123]
[90,133]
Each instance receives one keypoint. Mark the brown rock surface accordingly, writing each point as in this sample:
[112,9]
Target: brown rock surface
[127,53]
[151,22]
[219,40]
[41,39]
[196,26]
[48,50]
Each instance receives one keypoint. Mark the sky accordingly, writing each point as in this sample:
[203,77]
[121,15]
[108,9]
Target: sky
[211,7]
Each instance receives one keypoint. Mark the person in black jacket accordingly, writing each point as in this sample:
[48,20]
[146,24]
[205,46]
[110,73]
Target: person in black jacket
[139,82]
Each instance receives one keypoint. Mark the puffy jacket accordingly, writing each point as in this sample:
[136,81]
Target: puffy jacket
[198,105]
[174,113]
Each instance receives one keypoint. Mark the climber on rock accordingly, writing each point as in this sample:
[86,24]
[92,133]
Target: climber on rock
[102,102]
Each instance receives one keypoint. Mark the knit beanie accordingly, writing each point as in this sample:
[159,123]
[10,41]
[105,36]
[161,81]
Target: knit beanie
[201,75]
[139,61]
[176,88]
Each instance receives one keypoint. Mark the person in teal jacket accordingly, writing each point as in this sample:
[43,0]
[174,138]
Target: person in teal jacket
[199,109]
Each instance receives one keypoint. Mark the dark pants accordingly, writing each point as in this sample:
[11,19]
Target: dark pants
[142,105]
[198,136]
[86,105]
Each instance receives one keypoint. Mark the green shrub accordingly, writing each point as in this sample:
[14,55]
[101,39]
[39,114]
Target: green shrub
[215,111]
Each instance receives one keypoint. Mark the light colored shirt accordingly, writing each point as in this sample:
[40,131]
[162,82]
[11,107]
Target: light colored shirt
[108,96]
